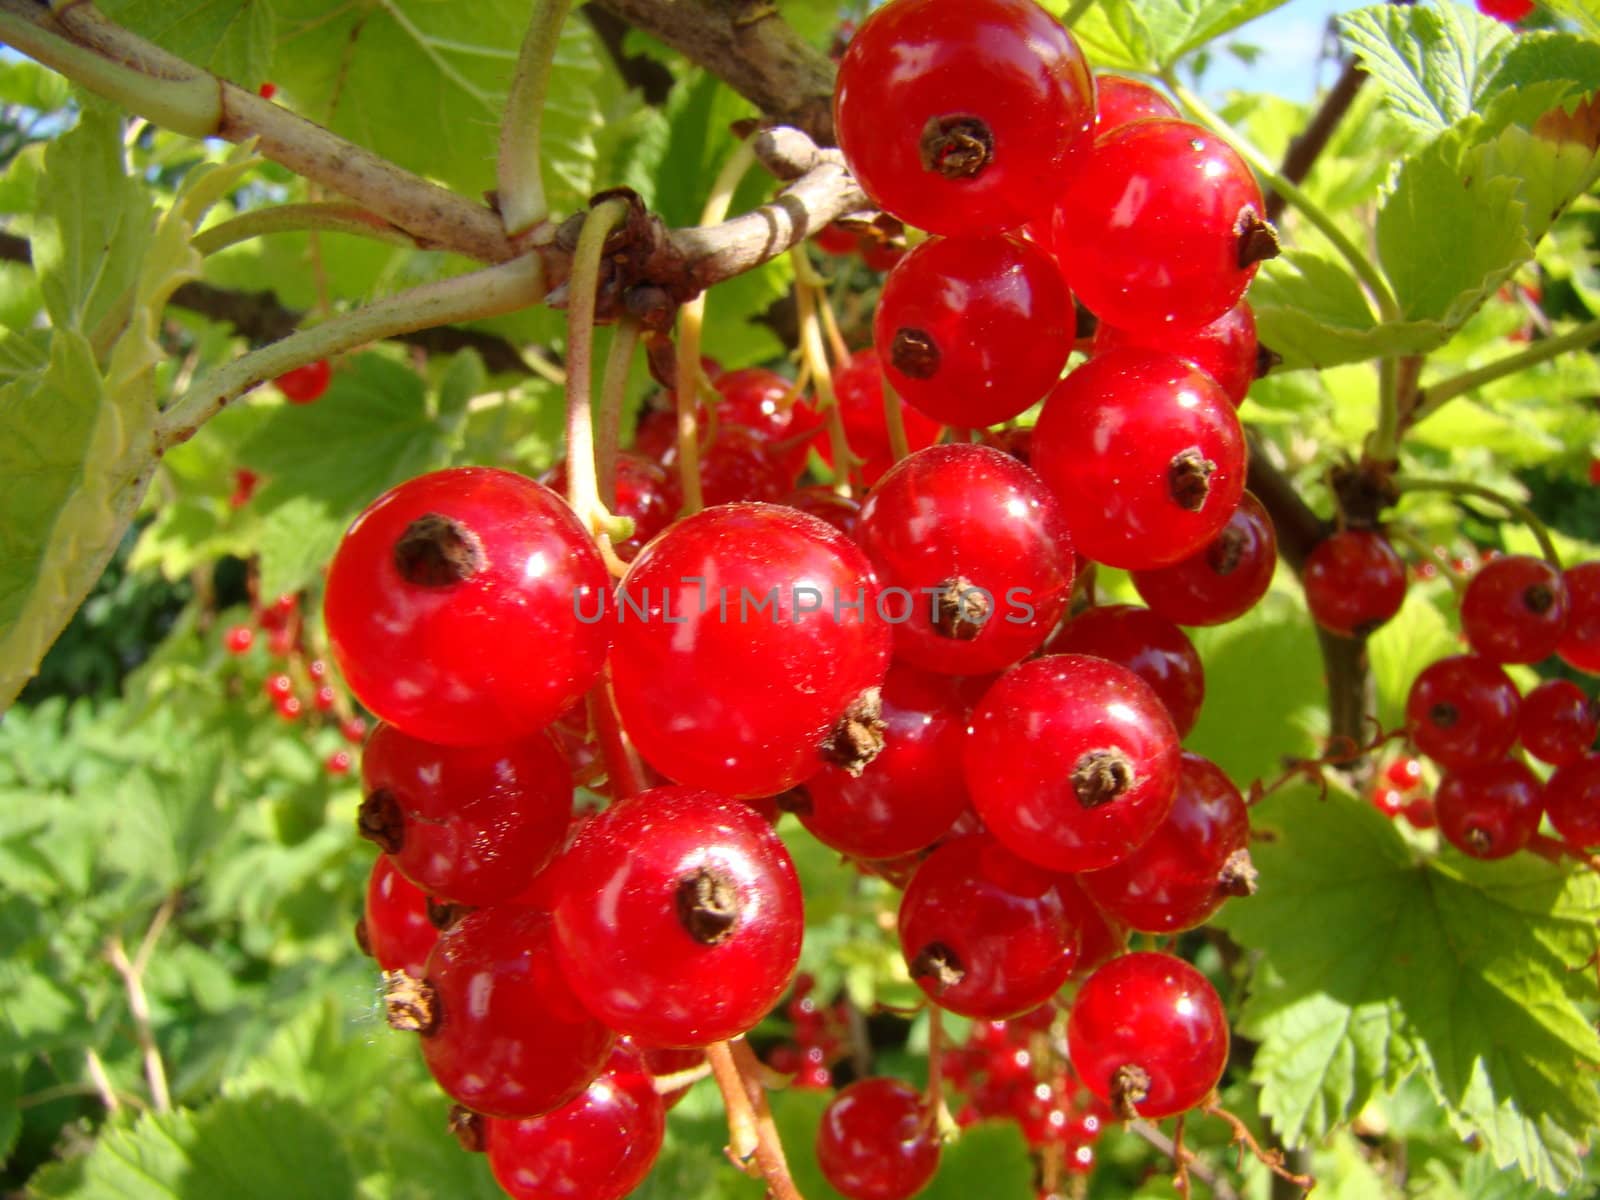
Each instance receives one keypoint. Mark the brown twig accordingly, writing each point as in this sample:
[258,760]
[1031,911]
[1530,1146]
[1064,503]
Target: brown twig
[1273,1160]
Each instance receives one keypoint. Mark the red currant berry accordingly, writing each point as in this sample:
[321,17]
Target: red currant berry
[947,146]
[1162,227]
[1146,455]
[1224,579]
[1121,101]
[1147,1034]
[907,797]
[646,493]
[462,607]
[598,1146]
[1225,349]
[1580,644]
[974,331]
[1071,761]
[1194,861]
[1572,798]
[1515,609]
[239,639]
[1557,723]
[680,918]
[761,622]
[1490,810]
[306,384]
[1462,712]
[1150,646]
[974,558]
[984,933]
[858,387]
[395,928]
[1509,11]
[1354,582]
[467,824]
[875,1141]
[503,1032]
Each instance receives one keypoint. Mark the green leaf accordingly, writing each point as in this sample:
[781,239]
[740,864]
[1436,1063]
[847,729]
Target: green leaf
[1162,31]
[232,38]
[262,1148]
[1377,963]
[95,224]
[1311,311]
[325,462]
[1434,62]
[1449,235]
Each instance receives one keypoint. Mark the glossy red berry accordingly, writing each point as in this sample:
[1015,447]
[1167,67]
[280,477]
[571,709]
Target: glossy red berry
[1120,101]
[680,917]
[1580,644]
[1557,722]
[1572,798]
[907,797]
[505,1035]
[395,928]
[974,331]
[468,824]
[305,385]
[1194,861]
[984,933]
[1225,349]
[1071,761]
[1514,609]
[950,147]
[858,386]
[973,555]
[1221,581]
[1148,1035]
[239,639]
[1490,810]
[1462,712]
[1146,455]
[1150,646]
[598,1146]
[1354,582]
[1161,227]
[465,607]
[762,625]
[875,1141]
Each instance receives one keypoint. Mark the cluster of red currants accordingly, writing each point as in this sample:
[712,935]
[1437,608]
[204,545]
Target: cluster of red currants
[904,675]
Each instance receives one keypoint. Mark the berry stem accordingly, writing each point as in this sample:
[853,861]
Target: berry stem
[613,394]
[1513,508]
[332,216]
[518,168]
[1378,287]
[751,1131]
[691,317]
[1432,398]
[807,286]
[489,292]
[583,489]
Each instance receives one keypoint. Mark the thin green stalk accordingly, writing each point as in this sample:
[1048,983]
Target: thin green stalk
[1514,508]
[489,292]
[691,319]
[190,104]
[583,486]
[519,167]
[332,216]
[1435,396]
[613,391]
[1360,263]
